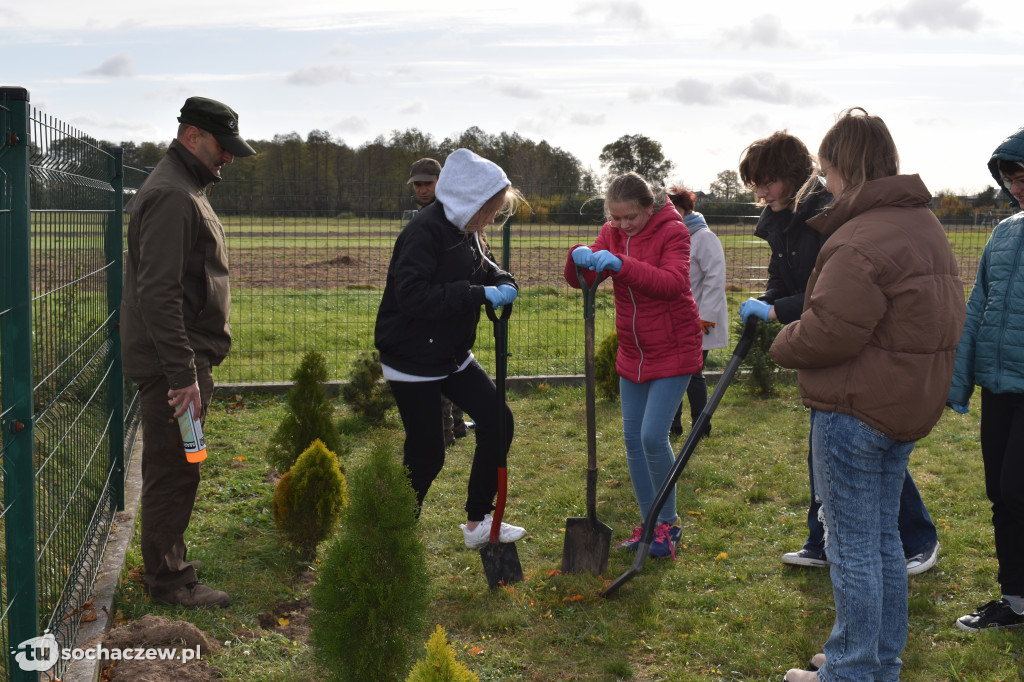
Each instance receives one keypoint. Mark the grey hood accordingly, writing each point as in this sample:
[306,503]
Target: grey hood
[466,182]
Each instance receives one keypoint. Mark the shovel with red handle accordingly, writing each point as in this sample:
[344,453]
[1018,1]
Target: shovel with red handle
[500,559]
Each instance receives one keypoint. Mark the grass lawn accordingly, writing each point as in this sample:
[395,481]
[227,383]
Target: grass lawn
[726,609]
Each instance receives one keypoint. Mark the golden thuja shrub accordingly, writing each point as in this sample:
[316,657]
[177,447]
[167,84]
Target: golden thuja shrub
[308,499]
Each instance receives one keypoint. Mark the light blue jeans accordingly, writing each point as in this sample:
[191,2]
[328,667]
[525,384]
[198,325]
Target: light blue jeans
[858,475]
[647,412]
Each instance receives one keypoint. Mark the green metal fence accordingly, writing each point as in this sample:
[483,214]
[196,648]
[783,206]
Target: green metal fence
[304,276]
[68,416]
[311,277]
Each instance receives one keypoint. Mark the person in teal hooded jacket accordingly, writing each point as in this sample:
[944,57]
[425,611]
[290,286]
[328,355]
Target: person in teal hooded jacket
[991,355]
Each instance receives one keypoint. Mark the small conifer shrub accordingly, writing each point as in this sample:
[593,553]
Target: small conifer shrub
[440,664]
[606,379]
[365,393]
[764,373]
[309,416]
[308,499]
[371,599]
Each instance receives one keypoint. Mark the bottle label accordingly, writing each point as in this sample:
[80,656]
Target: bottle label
[192,436]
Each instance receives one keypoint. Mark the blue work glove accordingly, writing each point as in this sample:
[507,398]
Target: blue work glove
[583,257]
[508,293]
[958,408]
[503,294]
[752,306]
[606,260]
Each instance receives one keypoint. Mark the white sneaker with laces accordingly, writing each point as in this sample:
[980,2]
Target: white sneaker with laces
[481,535]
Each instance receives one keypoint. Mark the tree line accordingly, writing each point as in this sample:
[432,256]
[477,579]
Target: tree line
[323,175]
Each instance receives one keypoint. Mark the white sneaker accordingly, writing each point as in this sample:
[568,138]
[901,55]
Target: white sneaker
[481,535]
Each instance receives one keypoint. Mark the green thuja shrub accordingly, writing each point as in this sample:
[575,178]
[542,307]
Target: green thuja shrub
[309,415]
[371,599]
[440,664]
[308,499]
[764,373]
[365,393]
[606,379]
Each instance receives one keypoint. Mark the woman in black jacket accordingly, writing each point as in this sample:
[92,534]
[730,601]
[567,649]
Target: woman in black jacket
[439,276]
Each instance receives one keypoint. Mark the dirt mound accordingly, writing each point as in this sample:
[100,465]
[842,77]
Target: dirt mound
[155,635]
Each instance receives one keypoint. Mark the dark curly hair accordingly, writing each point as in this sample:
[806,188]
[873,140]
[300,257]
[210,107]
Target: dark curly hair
[780,156]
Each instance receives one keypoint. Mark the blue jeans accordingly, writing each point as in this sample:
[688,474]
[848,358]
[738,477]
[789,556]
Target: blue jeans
[917,531]
[858,474]
[647,411]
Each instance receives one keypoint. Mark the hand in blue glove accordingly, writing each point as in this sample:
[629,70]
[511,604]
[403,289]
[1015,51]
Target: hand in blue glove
[583,257]
[503,294]
[494,296]
[752,306]
[606,260]
[958,408]
[508,293]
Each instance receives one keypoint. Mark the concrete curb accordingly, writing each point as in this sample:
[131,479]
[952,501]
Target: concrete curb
[109,576]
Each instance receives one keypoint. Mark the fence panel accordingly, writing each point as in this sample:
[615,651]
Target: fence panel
[61,309]
[310,277]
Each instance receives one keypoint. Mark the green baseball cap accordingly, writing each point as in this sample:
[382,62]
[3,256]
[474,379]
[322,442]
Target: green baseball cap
[219,120]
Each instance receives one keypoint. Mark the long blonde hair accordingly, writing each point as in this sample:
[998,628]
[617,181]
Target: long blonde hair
[503,205]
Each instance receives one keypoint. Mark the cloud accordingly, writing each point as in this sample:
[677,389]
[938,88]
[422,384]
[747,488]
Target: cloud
[587,119]
[629,14]
[932,15]
[318,75]
[91,121]
[764,31]
[413,108]
[693,91]
[757,123]
[10,18]
[519,91]
[118,66]
[759,87]
[353,124]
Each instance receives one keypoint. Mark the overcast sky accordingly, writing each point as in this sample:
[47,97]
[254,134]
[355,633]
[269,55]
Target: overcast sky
[704,79]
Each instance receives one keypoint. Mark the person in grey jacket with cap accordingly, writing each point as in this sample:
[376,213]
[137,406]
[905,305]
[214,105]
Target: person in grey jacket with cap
[439,276]
[174,330]
[991,355]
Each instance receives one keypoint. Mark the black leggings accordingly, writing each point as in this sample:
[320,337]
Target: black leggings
[1002,450]
[473,391]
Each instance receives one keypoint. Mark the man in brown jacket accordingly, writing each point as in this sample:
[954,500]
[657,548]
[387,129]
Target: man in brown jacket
[174,330]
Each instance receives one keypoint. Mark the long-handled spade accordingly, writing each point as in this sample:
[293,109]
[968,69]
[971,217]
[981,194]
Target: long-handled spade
[644,546]
[500,559]
[587,540]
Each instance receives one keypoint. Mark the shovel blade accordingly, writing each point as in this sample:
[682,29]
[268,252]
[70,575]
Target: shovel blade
[587,542]
[501,564]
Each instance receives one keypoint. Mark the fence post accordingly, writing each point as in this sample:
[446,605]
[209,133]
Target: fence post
[16,374]
[113,246]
